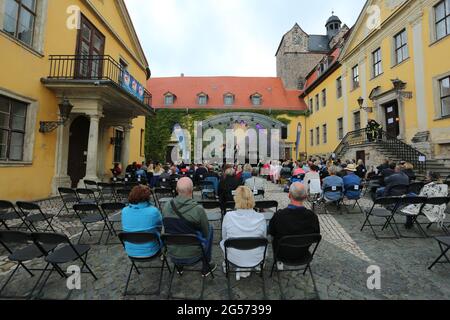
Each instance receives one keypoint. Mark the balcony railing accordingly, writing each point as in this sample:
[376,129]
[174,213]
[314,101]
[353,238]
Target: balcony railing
[97,68]
[390,144]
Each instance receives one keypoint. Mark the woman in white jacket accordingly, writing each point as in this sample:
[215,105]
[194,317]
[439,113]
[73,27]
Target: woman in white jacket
[245,222]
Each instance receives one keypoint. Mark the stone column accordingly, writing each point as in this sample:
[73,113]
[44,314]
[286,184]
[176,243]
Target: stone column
[126,146]
[92,161]
[61,179]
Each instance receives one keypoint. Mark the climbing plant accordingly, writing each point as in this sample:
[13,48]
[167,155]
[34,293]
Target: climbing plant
[160,125]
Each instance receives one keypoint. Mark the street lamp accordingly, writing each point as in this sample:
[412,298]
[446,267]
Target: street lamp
[361,105]
[65,108]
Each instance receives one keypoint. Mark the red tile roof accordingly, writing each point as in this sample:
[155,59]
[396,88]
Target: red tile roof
[186,89]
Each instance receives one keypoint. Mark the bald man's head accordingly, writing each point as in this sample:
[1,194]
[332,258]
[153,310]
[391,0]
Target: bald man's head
[185,187]
[297,192]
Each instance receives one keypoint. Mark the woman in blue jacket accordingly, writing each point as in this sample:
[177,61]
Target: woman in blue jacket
[141,216]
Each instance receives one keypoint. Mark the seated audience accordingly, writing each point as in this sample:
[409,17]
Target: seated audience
[312,174]
[141,216]
[361,170]
[408,169]
[247,174]
[183,215]
[397,179]
[227,185]
[295,220]
[245,222]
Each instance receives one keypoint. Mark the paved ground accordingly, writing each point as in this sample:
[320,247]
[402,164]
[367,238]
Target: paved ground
[340,268]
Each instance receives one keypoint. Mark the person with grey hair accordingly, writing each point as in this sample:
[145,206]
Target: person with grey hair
[333,181]
[295,220]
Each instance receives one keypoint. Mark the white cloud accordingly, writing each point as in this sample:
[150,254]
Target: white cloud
[225,37]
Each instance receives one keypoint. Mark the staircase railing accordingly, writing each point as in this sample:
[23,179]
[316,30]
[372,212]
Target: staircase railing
[390,144]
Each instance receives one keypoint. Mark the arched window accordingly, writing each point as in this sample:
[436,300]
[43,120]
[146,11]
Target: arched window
[256,99]
[202,99]
[169,98]
[228,99]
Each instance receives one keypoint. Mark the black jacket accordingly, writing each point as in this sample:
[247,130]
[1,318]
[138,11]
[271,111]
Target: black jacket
[226,186]
[293,222]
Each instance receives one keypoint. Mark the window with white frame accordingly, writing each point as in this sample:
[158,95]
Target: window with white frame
[377,65]
[340,125]
[355,77]
[169,99]
[401,46]
[13,117]
[19,19]
[228,99]
[202,99]
[256,99]
[444,85]
[442,19]
[357,120]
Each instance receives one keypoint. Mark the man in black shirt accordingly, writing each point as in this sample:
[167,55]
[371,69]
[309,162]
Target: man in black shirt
[295,220]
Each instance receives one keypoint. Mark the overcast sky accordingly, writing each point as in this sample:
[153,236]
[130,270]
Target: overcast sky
[226,37]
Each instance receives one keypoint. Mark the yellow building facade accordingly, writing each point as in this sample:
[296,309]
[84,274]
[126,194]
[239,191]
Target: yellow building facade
[396,62]
[85,56]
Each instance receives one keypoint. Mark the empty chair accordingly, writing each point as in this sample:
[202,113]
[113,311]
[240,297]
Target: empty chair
[138,239]
[302,245]
[245,244]
[91,214]
[92,185]
[33,215]
[122,195]
[8,213]
[213,211]
[66,252]
[113,211]
[69,197]
[87,196]
[186,241]
[444,245]
[107,192]
[267,208]
[21,249]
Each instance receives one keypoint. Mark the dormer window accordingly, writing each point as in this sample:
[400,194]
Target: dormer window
[169,98]
[228,99]
[256,99]
[202,99]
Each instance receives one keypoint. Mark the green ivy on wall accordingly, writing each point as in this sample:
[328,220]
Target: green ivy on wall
[160,125]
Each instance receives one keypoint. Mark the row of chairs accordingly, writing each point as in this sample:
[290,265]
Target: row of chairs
[56,250]
[245,244]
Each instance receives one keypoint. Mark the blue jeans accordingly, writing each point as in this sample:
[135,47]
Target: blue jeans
[207,247]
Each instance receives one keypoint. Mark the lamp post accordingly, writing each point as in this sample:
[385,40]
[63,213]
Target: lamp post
[65,108]
[361,105]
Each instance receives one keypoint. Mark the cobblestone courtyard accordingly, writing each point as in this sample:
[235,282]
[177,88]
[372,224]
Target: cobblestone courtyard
[340,268]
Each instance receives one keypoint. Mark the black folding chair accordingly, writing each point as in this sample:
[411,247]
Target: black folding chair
[301,244]
[114,213]
[122,195]
[416,187]
[406,201]
[213,212]
[91,214]
[163,195]
[92,185]
[185,241]
[208,190]
[444,245]
[267,208]
[139,239]
[69,197]
[325,202]
[382,208]
[87,196]
[9,213]
[64,253]
[21,249]
[107,192]
[33,215]
[354,188]
[259,193]
[245,244]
